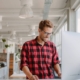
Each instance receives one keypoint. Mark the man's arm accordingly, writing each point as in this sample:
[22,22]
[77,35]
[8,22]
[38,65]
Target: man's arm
[26,70]
[55,61]
[57,69]
[24,63]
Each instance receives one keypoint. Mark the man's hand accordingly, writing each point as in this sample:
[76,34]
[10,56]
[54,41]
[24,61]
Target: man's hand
[34,77]
[29,74]
[57,69]
[59,75]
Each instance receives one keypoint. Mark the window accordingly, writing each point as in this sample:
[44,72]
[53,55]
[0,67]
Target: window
[78,20]
[58,38]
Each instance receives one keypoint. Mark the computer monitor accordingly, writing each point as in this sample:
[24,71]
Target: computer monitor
[70,56]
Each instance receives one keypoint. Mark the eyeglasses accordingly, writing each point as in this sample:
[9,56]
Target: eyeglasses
[46,33]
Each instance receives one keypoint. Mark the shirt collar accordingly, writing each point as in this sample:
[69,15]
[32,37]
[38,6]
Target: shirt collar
[46,43]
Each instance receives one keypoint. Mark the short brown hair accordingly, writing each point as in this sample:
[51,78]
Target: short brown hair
[45,23]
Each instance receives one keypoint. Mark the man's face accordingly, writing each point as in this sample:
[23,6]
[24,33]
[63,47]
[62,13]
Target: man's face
[45,33]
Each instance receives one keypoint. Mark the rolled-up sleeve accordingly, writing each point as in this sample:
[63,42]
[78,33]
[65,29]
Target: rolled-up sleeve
[55,58]
[24,56]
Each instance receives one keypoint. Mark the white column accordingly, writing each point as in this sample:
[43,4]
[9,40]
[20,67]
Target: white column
[71,20]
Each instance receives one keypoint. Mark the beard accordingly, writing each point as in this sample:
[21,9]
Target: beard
[44,39]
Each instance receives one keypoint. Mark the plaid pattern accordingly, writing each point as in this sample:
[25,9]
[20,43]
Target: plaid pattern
[39,59]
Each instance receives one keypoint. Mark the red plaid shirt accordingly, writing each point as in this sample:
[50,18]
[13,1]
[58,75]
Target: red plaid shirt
[39,59]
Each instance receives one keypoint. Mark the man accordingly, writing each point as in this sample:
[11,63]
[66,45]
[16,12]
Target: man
[39,55]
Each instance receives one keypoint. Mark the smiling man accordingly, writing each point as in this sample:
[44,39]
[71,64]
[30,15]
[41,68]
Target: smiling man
[39,55]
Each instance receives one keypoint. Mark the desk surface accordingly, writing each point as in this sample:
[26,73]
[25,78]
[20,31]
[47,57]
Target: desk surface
[23,77]
[27,79]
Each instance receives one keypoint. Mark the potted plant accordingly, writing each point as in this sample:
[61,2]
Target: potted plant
[4,40]
[6,45]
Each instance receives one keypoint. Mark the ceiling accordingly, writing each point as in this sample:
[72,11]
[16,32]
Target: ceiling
[9,10]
